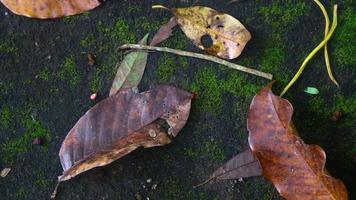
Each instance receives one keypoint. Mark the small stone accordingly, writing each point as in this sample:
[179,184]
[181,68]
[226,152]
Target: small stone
[93,96]
[5,172]
[6,13]
[138,196]
[154,186]
[240,179]
[38,141]
[152,133]
[149,180]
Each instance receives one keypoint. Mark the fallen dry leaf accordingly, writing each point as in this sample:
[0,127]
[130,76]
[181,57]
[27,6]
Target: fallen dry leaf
[240,166]
[44,9]
[5,172]
[164,32]
[122,123]
[130,70]
[91,59]
[217,33]
[296,169]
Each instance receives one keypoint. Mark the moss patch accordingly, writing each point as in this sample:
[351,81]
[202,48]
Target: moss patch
[344,39]
[120,31]
[282,13]
[5,117]
[212,89]
[166,68]
[69,72]
[13,147]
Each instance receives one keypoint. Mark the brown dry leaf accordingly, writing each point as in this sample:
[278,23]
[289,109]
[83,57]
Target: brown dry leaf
[91,59]
[44,9]
[164,32]
[122,123]
[5,172]
[240,166]
[217,33]
[296,169]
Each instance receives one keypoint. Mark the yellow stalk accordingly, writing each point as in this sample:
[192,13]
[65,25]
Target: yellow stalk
[311,55]
[326,54]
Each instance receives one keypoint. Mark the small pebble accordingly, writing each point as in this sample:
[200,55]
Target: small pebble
[38,141]
[154,186]
[240,179]
[5,172]
[93,96]
[149,180]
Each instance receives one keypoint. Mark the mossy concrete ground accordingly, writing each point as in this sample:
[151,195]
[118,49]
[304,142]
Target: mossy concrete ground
[45,84]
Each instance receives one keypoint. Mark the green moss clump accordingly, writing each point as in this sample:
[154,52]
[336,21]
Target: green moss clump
[5,117]
[166,68]
[44,74]
[282,13]
[88,41]
[211,89]
[344,39]
[13,147]
[6,47]
[213,150]
[119,32]
[68,72]
[273,57]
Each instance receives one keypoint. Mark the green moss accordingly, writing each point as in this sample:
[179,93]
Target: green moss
[191,153]
[44,74]
[21,193]
[273,58]
[166,68]
[96,82]
[283,13]
[120,31]
[213,150]
[68,72]
[5,117]
[13,147]
[41,180]
[173,189]
[212,90]
[6,47]
[88,41]
[146,25]
[344,39]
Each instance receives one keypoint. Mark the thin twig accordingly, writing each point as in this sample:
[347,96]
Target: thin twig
[200,56]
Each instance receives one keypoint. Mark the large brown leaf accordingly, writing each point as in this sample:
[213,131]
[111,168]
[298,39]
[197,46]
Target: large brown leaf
[45,9]
[122,123]
[296,169]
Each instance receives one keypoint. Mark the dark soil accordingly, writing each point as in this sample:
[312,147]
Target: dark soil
[46,82]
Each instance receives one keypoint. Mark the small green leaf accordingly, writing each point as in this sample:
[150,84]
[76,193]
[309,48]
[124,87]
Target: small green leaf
[311,90]
[130,71]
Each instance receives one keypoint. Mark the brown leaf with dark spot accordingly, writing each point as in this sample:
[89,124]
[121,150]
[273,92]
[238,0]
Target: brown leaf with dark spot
[122,123]
[164,32]
[217,33]
[44,9]
[296,169]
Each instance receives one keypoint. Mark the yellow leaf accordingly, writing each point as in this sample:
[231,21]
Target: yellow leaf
[217,33]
